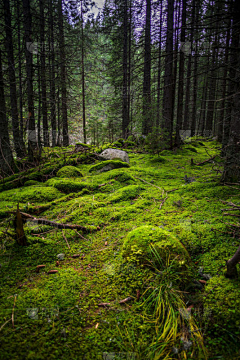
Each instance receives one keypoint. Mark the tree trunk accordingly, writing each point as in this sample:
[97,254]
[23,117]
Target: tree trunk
[125,114]
[232,162]
[159,69]
[83,83]
[195,81]
[52,95]
[6,158]
[232,265]
[181,78]
[32,140]
[147,118]
[63,75]
[186,125]
[17,139]
[167,95]
[43,78]
[20,76]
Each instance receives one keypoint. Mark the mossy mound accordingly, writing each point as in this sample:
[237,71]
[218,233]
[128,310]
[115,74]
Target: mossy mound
[68,186]
[138,245]
[224,300]
[33,182]
[30,193]
[69,172]
[121,176]
[111,164]
[126,193]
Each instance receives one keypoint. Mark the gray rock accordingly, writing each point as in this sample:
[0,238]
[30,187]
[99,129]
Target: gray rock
[60,256]
[110,154]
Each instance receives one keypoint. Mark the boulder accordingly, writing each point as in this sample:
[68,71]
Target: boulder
[110,154]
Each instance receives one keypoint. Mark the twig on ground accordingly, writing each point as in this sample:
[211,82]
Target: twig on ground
[13,310]
[66,240]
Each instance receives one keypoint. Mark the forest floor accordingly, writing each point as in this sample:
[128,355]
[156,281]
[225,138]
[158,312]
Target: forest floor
[76,312]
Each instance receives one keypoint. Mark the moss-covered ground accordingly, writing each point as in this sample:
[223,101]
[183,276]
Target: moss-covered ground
[58,316]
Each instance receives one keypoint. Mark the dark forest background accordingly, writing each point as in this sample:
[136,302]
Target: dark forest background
[165,70]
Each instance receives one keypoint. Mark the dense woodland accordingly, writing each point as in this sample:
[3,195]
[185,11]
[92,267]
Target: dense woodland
[159,79]
[161,68]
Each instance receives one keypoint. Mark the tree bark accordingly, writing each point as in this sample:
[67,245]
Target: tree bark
[167,95]
[43,71]
[147,118]
[63,75]
[6,158]
[17,139]
[159,69]
[125,113]
[181,78]
[32,140]
[52,93]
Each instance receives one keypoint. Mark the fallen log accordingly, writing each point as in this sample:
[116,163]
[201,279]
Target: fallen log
[26,216]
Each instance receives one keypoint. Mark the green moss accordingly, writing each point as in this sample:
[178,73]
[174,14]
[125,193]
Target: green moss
[84,145]
[112,164]
[191,148]
[223,300]
[68,172]
[33,182]
[68,186]
[117,144]
[129,144]
[30,193]
[122,176]
[126,193]
[139,240]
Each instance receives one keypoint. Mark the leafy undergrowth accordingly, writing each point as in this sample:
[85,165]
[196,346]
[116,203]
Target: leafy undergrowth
[57,316]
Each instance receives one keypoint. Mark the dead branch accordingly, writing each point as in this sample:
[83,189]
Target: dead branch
[206,161]
[52,223]
[65,239]
[163,202]
[227,214]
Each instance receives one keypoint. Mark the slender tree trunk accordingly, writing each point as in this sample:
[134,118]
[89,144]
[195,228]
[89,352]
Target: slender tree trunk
[224,86]
[232,162]
[129,65]
[18,141]
[63,75]
[83,84]
[32,140]
[212,92]
[181,78]
[186,125]
[167,95]
[52,94]
[125,114]
[147,118]
[175,61]
[43,71]
[20,76]
[159,68]
[195,74]
[6,158]
[39,104]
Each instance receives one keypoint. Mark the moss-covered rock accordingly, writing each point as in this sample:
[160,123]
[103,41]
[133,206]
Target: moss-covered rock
[31,193]
[69,172]
[69,186]
[138,245]
[108,164]
[126,193]
[121,176]
[33,182]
